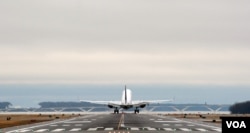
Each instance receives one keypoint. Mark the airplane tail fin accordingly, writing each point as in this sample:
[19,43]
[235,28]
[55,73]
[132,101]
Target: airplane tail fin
[125,94]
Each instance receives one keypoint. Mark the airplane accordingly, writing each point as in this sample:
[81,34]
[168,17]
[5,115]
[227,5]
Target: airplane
[126,102]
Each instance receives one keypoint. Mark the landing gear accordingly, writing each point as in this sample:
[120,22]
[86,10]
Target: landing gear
[136,110]
[116,111]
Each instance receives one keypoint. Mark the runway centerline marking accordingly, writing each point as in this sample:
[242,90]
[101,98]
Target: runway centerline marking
[121,122]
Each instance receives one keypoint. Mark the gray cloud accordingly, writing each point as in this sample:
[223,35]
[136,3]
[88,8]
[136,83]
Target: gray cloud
[125,41]
[114,22]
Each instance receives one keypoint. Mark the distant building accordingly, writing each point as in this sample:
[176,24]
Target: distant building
[5,105]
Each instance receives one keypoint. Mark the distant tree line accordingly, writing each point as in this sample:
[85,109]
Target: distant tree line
[240,108]
[4,105]
[66,104]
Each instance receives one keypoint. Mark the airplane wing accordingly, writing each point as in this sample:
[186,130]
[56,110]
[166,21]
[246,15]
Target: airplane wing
[158,101]
[95,102]
[144,103]
[108,103]
[135,103]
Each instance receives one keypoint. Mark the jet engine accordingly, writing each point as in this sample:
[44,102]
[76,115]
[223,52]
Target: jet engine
[110,106]
[142,106]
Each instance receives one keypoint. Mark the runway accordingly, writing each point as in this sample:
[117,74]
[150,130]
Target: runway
[119,123]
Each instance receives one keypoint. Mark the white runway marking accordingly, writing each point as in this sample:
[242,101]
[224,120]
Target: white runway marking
[41,130]
[169,129]
[151,129]
[217,129]
[57,130]
[134,128]
[185,129]
[109,129]
[190,125]
[23,131]
[165,124]
[92,129]
[151,119]
[122,125]
[65,125]
[75,129]
[201,129]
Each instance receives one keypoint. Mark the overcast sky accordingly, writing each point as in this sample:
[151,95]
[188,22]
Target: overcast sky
[132,41]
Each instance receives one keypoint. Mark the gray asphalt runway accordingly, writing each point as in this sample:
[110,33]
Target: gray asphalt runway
[119,123]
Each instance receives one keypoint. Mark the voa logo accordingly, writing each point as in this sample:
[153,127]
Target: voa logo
[236,124]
